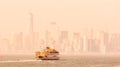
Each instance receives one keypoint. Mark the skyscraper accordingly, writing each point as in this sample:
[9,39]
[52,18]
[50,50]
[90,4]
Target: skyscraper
[77,42]
[114,44]
[31,31]
[64,41]
[31,24]
[104,40]
[93,42]
[104,37]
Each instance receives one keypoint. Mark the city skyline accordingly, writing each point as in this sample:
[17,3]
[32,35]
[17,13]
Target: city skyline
[80,25]
[95,42]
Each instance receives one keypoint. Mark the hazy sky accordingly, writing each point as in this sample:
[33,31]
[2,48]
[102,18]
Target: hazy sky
[75,15]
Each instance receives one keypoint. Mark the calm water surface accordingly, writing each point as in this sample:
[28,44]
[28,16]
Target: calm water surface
[65,61]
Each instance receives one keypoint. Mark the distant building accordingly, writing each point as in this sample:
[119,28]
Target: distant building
[114,44]
[77,43]
[27,44]
[5,45]
[18,41]
[104,38]
[64,41]
[51,35]
[63,36]
[92,42]
[93,45]
[48,39]
[36,40]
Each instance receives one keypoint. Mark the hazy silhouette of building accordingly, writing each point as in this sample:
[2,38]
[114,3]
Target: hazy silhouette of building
[114,44]
[27,44]
[105,41]
[64,41]
[63,36]
[36,40]
[18,42]
[31,32]
[93,44]
[5,48]
[85,46]
[77,43]
[54,34]
[48,38]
